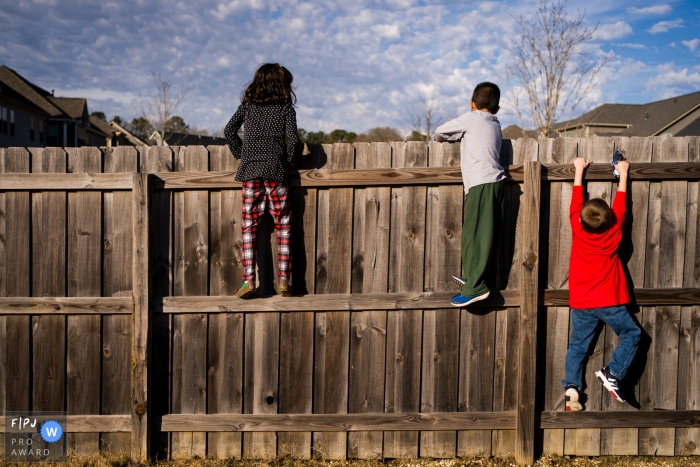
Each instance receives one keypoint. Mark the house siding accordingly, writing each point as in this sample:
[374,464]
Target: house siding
[22,127]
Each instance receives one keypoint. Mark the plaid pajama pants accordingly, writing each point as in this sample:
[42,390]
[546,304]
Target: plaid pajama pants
[259,194]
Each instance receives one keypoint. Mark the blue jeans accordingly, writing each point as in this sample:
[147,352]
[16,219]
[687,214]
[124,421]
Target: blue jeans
[584,323]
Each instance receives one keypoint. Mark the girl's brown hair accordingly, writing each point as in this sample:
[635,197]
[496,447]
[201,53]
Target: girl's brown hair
[595,215]
[272,84]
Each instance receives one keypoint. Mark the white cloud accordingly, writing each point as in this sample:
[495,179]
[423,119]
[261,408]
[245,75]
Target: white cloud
[692,44]
[651,10]
[671,81]
[634,46]
[606,32]
[664,26]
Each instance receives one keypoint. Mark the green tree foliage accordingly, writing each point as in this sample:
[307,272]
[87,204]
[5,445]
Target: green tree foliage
[416,136]
[380,134]
[117,119]
[140,127]
[319,137]
[100,115]
[176,125]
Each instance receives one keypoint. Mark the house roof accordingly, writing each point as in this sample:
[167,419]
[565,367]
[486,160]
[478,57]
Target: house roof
[71,106]
[30,92]
[642,119]
[100,125]
[117,128]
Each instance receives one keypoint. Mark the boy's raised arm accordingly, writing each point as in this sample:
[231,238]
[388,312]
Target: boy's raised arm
[623,169]
[580,164]
[453,127]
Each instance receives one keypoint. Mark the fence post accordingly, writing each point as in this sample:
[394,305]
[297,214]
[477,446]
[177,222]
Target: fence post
[140,329]
[525,412]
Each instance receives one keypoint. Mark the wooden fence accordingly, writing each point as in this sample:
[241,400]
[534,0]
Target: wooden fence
[117,267]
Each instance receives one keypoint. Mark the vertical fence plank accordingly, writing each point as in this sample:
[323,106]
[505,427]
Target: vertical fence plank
[506,359]
[296,379]
[556,151]
[225,332]
[688,439]
[648,442]
[15,279]
[406,260]
[297,329]
[368,328]
[260,394]
[141,333]
[84,280]
[48,280]
[190,277]
[333,270]
[671,264]
[160,159]
[477,333]
[16,273]
[525,412]
[117,253]
[586,442]
[440,356]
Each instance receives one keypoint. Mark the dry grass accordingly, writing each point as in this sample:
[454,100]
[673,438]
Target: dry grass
[114,460]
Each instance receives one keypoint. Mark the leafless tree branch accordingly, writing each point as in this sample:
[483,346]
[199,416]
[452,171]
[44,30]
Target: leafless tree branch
[163,103]
[549,65]
[423,118]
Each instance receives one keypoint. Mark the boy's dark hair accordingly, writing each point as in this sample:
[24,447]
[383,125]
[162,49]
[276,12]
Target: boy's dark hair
[486,96]
[595,216]
[272,84]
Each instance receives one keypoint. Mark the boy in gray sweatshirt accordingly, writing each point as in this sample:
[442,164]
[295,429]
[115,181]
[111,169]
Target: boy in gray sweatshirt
[484,184]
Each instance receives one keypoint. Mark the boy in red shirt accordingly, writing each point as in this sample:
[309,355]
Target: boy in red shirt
[597,286]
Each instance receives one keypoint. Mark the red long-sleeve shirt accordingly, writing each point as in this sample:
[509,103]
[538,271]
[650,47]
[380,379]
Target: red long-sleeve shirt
[596,276]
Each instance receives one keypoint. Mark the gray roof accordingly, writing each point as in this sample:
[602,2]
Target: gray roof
[32,93]
[644,119]
[100,125]
[71,106]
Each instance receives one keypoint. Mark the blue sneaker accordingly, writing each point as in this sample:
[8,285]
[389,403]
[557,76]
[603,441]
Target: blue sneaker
[461,300]
[611,383]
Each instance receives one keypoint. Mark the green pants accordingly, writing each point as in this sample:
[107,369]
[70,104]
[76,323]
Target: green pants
[483,217]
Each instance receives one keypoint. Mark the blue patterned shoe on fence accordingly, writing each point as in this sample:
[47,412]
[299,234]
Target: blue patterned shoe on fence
[460,300]
[611,383]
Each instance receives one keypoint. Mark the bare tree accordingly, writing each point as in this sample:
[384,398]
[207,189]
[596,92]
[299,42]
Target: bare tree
[550,67]
[162,104]
[424,117]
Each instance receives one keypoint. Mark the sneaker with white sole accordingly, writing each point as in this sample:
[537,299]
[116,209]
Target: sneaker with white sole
[571,396]
[611,383]
[460,300]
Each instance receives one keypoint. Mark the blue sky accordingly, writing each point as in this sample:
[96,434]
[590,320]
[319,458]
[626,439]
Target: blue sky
[357,63]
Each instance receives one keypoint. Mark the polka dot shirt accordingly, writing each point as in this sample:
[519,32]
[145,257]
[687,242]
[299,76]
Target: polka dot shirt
[263,152]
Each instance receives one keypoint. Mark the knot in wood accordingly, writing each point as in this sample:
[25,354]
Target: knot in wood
[107,245]
[499,362]
[106,352]
[432,419]
[399,357]
[448,234]
[437,356]
[530,262]
[140,410]
[410,236]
